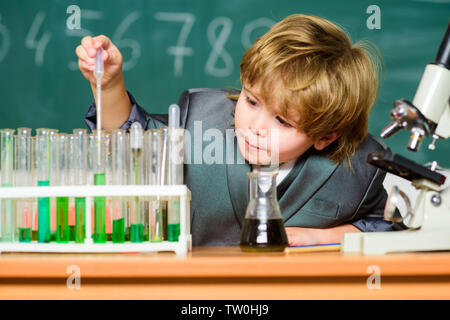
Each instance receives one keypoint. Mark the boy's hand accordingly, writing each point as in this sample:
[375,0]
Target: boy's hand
[111,56]
[310,236]
[303,236]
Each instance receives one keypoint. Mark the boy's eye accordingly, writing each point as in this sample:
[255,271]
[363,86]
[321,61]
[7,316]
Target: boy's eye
[252,102]
[283,122]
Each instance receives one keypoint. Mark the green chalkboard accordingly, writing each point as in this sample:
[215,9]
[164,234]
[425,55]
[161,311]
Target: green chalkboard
[172,45]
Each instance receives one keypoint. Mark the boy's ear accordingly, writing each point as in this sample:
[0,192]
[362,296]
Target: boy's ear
[326,140]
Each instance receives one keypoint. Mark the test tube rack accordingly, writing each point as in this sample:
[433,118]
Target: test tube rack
[160,192]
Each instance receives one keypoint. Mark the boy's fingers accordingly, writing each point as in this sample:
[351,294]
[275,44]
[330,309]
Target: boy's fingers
[82,54]
[84,66]
[101,41]
[105,43]
[105,55]
[87,43]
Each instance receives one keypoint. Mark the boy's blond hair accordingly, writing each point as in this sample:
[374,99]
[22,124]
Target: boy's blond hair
[320,80]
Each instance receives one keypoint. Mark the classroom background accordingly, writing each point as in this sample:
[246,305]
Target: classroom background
[172,45]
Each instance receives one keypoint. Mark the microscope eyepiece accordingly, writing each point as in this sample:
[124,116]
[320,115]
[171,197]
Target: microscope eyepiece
[443,55]
[390,130]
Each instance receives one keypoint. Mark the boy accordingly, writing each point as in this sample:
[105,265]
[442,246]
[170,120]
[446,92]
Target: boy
[307,83]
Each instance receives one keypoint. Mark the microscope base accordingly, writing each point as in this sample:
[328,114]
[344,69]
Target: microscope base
[377,243]
[433,234]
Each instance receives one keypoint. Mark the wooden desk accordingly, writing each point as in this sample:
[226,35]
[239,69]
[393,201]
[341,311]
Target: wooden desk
[225,273]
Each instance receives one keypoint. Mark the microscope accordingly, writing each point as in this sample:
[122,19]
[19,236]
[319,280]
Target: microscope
[428,223]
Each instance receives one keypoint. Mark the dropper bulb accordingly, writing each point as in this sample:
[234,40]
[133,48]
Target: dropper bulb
[99,67]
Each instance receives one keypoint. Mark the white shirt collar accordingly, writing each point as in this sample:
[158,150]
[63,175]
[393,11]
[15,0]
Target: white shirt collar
[284,169]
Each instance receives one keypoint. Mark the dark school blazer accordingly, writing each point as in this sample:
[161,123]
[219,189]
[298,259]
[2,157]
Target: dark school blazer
[316,193]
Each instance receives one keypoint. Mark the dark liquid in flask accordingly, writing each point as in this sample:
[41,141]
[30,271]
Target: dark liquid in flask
[263,235]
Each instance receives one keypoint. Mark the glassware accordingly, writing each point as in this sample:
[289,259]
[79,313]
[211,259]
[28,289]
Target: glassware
[119,149]
[263,229]
[23,178]
[154,143]
[137,232]
[99,162]
[7,174]
[80,175]
[43,179]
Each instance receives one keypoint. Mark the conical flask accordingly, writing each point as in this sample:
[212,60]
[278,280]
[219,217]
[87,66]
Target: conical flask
[263,228]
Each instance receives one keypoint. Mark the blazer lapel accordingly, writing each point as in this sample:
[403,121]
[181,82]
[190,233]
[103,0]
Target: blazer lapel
[316,170]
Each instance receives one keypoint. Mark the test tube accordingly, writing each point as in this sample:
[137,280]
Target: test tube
[23,178]
[62,203]
[54,178]
[7,206]
[136,174]
[80,173]
[99,180]
[70,181]
[154,157]
[34,182]
[119,177]
[175,151]
[43,179]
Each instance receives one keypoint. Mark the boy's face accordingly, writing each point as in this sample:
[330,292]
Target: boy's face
[263,136]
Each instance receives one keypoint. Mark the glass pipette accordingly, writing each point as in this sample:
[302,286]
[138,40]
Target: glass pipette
[98,74]
[99,171]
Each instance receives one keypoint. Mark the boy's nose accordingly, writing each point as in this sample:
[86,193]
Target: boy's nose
[260,125]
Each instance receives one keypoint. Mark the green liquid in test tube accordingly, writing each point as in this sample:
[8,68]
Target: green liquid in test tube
[25,234]
[118,235]
[137,232]
[165,222]
[80,216]
[99,211]
[43,234]
[62,220]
